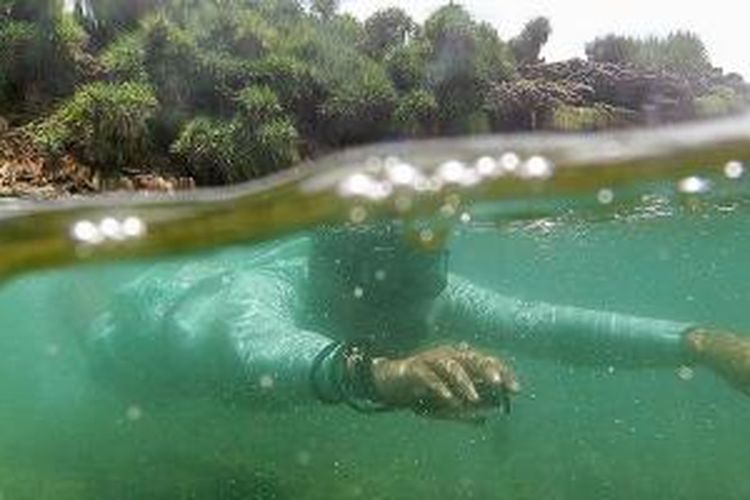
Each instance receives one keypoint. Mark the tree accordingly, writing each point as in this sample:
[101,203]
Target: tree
[465,58]
[385,30]
[324,9]
[612,48]
[527,46]
[107,125]
[682,53]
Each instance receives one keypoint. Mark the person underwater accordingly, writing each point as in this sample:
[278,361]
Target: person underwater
[363,315]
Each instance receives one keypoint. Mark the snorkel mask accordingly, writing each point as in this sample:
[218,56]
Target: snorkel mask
[377,263]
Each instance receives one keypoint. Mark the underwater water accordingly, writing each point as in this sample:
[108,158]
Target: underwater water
[662,232]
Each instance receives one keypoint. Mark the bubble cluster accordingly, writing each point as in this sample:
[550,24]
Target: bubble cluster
[382,178]
[685,373]
[109,228]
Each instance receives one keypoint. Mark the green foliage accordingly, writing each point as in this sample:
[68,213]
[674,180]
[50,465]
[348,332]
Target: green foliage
[416,113]
[206,148]
[106,124]
[529,43]
[569,118]
[113,17]
[407,65]
[40,60]
[387,29]
[243,85]
[466,58]
[720,101]
[682,53]
[172,62]
[259,140]
[258,104]
[612,48]
[359,108]
[292,80]
[125,59]
[242,33]
[324,9]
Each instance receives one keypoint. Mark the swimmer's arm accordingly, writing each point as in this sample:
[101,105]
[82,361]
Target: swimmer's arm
[556,331]
[231,339]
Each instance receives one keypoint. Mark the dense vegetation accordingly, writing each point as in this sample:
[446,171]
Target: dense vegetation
[226,90]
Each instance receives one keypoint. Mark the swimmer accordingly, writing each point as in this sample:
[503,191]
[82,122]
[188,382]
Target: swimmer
[362,315]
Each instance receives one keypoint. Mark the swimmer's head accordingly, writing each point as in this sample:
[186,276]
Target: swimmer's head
[382,263]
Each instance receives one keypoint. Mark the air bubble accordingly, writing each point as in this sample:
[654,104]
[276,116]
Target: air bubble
[110,228]
[605,196]
[685,373]
[266,381]
[734,169]
[465,217]
[426,235]
[451,171]
[447,210]
[133,227]
[86,232]
[694,185]
[380,275]
[400,173]
[487,167]
[509,162]
[133,413]
[358,292]
[358,214]
[537,167]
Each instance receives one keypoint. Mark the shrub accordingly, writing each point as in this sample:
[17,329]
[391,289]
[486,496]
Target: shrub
[173,64]
[407,65]
[720,101]
[416,113]
[569,118]
[259,140]
[258,104]
[360,108]
[106,124]
[40,61]
[206,149]
[527,46]
[386,29]
[681,52]
[124,59]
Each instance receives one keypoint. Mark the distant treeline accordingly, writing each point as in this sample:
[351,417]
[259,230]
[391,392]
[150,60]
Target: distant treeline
[226,90]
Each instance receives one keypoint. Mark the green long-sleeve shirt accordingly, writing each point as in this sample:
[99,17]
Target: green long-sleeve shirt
[250,325]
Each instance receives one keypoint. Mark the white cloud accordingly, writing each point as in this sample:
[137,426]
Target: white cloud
[720,23]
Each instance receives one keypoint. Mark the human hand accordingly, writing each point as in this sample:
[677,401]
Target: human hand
[452,382]
[725,353]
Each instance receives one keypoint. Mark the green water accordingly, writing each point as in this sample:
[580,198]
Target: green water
[576,432]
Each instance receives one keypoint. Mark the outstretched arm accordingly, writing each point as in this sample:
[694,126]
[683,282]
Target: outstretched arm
[588,336]
[556,331]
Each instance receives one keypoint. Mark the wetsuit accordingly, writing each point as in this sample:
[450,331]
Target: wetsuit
[263,323]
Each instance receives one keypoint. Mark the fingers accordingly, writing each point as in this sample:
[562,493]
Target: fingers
[433,391]
[457,379]
[491,371]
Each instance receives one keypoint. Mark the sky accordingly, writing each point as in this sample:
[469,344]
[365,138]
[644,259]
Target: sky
[721,24]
